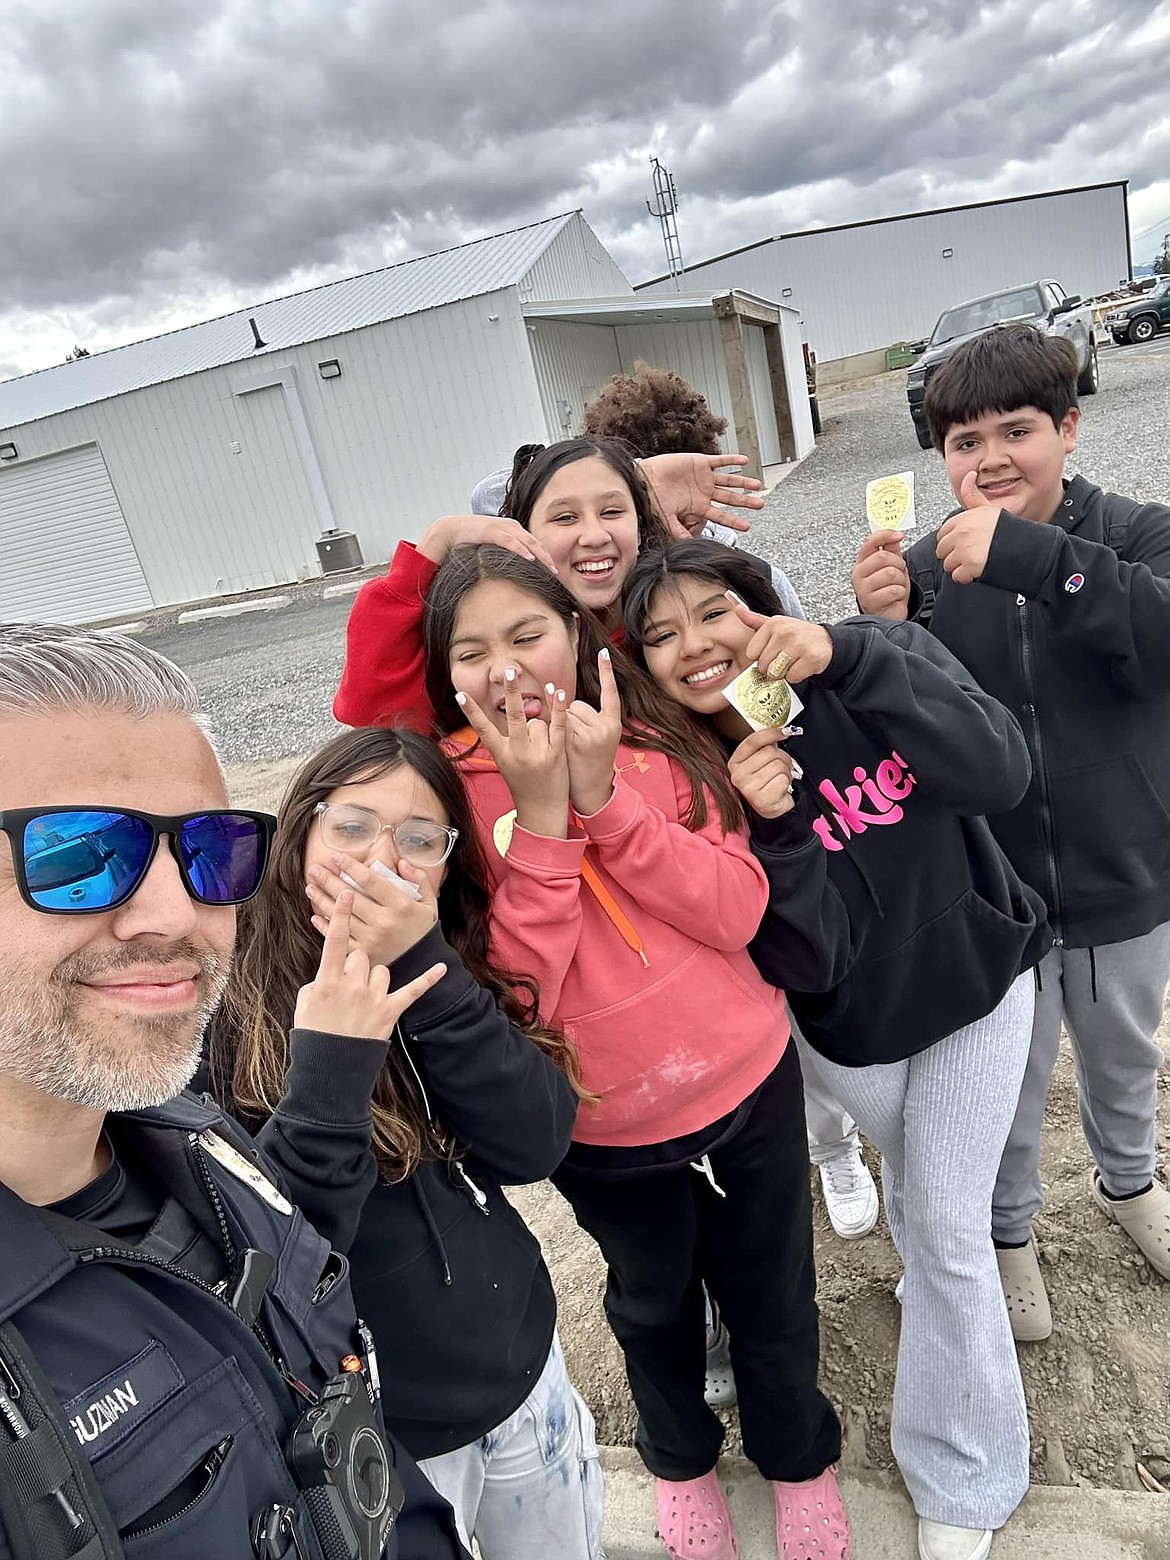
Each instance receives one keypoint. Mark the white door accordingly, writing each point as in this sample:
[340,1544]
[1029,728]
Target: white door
[756,352]
[65,553]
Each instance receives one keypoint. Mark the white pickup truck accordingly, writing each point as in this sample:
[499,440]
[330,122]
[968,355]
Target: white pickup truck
[1044,304]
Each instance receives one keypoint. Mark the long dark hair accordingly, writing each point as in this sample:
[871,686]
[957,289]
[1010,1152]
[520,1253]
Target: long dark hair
[528,483]
[649,719]
[707,561]
[279,950]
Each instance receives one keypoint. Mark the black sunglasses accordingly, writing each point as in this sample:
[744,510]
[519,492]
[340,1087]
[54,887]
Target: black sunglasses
[82,860]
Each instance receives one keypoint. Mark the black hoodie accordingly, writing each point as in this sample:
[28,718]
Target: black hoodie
[1070,626]
[894,917]
[443,1269]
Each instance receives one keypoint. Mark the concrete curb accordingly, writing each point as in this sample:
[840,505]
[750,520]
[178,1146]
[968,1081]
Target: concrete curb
[236,608]
[1052,1524]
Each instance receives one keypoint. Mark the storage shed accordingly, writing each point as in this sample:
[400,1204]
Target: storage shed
[862,286]
[242,452]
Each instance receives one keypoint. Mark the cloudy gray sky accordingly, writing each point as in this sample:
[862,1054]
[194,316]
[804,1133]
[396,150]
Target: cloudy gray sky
[165,160]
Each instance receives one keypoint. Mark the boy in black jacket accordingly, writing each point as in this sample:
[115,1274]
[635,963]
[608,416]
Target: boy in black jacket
[1056,596]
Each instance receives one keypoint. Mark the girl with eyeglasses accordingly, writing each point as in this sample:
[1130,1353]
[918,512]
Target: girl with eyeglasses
[622,878]
[476,1093]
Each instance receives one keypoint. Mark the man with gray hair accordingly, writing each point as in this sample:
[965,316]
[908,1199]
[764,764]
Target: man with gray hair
[179,1354]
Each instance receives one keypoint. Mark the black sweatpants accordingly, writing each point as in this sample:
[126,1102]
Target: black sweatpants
[663,1234]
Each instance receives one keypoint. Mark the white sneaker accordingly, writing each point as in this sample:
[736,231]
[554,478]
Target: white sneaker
[940,1541]
[850,1196]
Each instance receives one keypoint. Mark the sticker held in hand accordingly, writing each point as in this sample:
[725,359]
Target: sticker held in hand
[763,701]
[411,890]
[889,502]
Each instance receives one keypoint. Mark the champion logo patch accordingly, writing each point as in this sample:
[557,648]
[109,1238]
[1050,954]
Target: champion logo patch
[103,1415]
[1074,583]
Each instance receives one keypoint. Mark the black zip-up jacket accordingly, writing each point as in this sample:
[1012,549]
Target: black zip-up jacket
[894,918]
[1069,627]
[444,1270]
[166,1387]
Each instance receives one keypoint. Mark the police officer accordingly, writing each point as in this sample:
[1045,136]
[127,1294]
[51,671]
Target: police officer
[181,1369]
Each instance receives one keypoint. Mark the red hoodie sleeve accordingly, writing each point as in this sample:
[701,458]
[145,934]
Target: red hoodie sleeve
[704,882]
[384,679]
[536,911]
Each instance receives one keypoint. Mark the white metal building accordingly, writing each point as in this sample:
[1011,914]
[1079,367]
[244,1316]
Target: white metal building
[212,460]
[866,285]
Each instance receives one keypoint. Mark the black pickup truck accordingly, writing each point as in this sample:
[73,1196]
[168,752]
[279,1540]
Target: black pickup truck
[1142,319]
[1044,304]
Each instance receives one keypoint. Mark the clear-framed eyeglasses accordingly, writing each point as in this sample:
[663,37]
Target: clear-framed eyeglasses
[356,830]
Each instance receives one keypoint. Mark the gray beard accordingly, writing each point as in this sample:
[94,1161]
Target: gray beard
[115,1065]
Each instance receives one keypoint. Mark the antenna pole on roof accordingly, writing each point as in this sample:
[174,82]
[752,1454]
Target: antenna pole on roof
[665,208]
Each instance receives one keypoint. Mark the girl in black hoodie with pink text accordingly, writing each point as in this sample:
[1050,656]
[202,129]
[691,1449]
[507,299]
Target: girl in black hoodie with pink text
[905,943]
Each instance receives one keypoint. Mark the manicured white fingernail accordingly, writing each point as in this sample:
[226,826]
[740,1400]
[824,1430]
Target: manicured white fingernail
[548,688]
[739,601]
[460,699]
[794,731]
[605,655]
[510,674]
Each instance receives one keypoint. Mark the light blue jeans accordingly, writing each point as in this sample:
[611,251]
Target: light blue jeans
[532,1487]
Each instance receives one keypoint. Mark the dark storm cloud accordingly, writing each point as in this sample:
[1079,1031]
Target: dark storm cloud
[163,159]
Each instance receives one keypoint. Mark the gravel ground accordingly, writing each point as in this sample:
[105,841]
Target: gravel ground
[1097,1391]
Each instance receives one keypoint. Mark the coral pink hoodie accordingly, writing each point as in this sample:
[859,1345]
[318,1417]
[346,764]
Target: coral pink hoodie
[647,970]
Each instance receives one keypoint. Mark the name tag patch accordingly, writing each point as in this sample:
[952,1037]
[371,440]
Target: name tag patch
[103,1415]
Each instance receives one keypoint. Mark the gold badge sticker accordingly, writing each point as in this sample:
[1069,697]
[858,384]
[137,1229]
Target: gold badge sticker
[243,1170]
[502,831]
[762,701]
[889,502]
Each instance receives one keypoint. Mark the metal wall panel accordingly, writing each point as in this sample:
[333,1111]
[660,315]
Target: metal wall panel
[575,264]
[215,496]
[693,349]
[572,363]
[862,288]
[65,553]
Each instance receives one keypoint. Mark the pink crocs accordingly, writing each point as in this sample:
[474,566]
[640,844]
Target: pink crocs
[811,1520]
[693,1519]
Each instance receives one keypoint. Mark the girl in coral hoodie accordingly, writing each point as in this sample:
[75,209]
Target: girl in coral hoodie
[624,882]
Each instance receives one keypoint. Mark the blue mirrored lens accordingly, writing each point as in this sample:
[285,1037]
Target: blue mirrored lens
[84,860]
[224,856]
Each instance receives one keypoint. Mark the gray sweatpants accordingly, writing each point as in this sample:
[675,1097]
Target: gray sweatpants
[1117,1064]
[960,1426]
[831,1129]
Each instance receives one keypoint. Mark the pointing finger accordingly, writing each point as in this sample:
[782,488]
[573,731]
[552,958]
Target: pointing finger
[611,703]
[479,723]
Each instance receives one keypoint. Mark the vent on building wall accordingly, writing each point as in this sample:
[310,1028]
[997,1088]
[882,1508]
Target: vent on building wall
[257,338]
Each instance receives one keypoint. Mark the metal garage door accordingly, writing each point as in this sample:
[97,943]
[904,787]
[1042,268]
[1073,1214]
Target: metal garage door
[65,553]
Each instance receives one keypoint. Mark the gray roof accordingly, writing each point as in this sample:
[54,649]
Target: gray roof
[468,271]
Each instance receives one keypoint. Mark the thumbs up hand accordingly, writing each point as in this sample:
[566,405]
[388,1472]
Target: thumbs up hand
[965,540]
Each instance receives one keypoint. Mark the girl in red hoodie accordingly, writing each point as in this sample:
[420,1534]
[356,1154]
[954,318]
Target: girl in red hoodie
[624,882]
